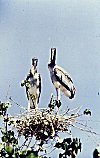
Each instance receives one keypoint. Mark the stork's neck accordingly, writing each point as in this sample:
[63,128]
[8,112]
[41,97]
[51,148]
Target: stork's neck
[33,70]
[51,69]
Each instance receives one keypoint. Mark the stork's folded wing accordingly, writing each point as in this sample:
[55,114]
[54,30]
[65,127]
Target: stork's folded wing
[63,77]
[39,84]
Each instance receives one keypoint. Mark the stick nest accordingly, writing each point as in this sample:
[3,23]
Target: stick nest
[43,124]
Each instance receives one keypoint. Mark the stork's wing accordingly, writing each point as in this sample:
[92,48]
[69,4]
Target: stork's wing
[27,93]
[63,77]
[39,83]
[27,78]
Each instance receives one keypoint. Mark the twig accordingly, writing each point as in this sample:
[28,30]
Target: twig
[17,104]
[21,147]
[29,142]
[7,92]
[86,130]
[49,152]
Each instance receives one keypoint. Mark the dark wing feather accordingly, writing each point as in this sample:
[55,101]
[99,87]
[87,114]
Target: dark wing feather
[63,78]
[39,83]
[39,87]
[30,75]
[27,92]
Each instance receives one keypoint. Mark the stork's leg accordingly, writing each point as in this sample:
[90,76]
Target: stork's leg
[31,104]
[35,104]
[58,103]
[58,93]
[37,98]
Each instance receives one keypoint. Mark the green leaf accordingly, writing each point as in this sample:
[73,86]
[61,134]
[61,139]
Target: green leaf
[67,140]
[31,155]
[1,146]
[58,145]
[4,139]
[87,112]
[9,150]
[14,156]
[27,85]
[22,83]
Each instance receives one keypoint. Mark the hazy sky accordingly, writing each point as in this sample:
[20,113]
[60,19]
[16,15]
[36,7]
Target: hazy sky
[30,28]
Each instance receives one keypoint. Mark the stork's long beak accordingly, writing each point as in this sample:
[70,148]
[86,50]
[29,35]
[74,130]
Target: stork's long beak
[36,61]
[53,55]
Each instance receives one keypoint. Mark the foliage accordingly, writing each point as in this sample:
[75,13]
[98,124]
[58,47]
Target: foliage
[96,153]
[40,127]
[9,147]
[87,112]
[70,147]
[25,83]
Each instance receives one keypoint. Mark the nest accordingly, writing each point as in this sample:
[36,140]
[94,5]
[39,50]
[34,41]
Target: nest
[43,123]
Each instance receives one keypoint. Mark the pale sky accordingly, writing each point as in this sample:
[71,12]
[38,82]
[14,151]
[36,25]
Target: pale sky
[29,28]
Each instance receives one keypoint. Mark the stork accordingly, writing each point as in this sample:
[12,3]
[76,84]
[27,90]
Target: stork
[33,86]
[60,78]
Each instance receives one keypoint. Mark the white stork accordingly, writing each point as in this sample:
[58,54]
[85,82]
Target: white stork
[33,90]
[60,78]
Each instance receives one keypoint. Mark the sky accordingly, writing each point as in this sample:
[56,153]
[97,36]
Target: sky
[30,28]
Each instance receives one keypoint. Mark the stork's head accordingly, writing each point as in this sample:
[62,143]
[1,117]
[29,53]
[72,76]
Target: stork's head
[52,63]
[34,62]
[33,69]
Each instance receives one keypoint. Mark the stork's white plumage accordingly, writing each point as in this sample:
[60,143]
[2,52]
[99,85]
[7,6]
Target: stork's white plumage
[33,90]
[60,78]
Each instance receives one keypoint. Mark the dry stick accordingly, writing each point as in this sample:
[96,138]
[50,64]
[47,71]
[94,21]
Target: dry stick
[17,104]
[34,143]
[86,130]
[66,119]
[7,92]
[72,154]
[24,144]
[76,113]
[29,142]
[82,124]
[78,108]
[48,152]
